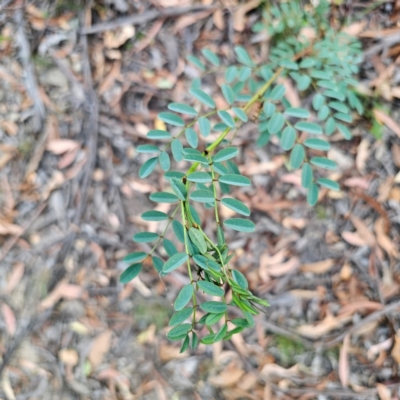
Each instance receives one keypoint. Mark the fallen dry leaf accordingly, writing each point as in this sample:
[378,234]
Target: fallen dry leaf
[115,39]
[218,18]
[363,154]
[15,277]
[358,306]
[239,14]
[343,367]
[61,146]
[277,270]
[271,370]
[388,121]
[355,28]
[377,348]
[384,240]
[63,290]
[9,319]
[363,231]
[226,378]
[353,238]
[69,357]
[99,348]
[10,229]
[167,353]
[319,267]
[383,392]
[328,324]
[188,20]
[10,127]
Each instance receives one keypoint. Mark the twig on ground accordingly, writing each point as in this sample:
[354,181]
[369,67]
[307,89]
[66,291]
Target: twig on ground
[30,77]
[336,394]
[142,18]
[91,124]
[372,317]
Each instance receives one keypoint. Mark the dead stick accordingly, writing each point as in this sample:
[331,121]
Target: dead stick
[372,317]
[142,18]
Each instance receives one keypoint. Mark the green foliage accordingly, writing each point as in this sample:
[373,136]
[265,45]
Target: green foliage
[323,71]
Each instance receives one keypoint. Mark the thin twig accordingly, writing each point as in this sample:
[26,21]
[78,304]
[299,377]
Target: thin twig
[91,125]
[29,70]
[372,317]
[142,18]
[367,394]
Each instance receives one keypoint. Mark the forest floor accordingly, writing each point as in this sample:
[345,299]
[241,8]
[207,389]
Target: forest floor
[79,90]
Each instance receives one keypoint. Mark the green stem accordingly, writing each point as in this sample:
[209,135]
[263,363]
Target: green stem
[188,260]
[215,191]
[246,108]
[189,126]
[171,218]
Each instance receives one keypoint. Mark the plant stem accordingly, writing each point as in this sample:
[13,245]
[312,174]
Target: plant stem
[246,108]
[188,261]
[171,218]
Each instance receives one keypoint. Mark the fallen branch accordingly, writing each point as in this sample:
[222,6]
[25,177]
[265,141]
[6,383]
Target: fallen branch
[142,18]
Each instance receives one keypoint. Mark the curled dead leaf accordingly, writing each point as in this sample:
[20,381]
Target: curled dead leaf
[115,39]
[99,348]
[328,324]
[383,240]
[239,15]
[319,267]
[60,146]
[226,378]
[69,357]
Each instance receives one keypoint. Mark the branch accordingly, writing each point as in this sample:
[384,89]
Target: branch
[142,18]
